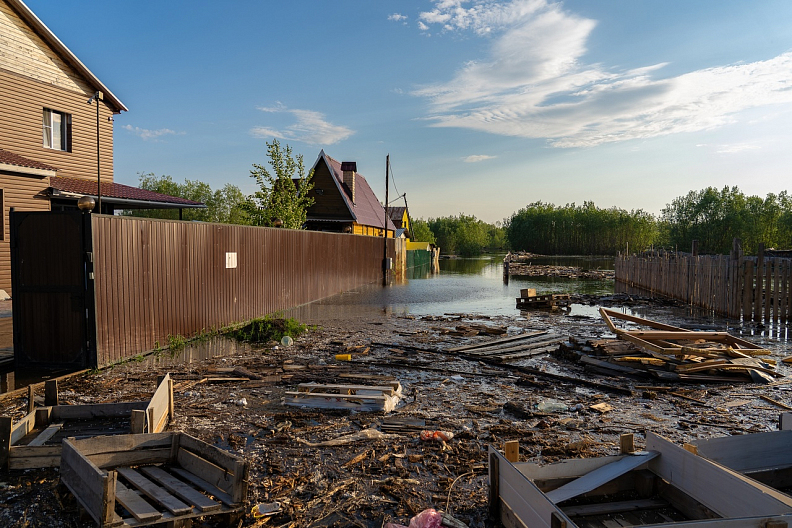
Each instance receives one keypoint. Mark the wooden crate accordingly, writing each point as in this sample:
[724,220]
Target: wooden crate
[144,479]
[665,482]
[34,441]
[765,457]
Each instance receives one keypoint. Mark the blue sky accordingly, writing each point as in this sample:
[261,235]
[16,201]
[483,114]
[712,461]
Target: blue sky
[483,106]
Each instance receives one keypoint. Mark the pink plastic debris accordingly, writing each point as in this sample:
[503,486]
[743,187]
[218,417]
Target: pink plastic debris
[426,519]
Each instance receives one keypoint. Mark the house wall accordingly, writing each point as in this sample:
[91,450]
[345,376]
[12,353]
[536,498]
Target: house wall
[329,204]
[21,193]
[33,77]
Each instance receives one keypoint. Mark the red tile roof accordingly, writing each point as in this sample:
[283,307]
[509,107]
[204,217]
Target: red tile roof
[9,158]
[366,208]
[115,190]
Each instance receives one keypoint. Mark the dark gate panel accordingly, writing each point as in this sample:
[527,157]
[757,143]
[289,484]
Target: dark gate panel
[53,296]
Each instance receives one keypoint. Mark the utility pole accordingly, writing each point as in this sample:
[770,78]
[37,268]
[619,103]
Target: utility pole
[385,267]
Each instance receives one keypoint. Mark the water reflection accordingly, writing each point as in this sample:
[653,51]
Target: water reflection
[463,285]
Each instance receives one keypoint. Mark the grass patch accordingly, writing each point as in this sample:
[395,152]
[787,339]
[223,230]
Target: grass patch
[268,328]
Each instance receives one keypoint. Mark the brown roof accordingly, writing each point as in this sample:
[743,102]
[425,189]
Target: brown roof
[9,158]
[116,190]
[366,209]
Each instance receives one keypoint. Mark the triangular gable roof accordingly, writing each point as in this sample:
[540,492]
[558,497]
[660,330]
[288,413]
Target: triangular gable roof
[366,210]
[65,53]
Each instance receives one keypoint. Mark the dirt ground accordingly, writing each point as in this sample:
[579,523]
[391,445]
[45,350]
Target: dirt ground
[382,471]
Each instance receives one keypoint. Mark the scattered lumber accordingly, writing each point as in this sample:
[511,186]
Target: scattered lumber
[669,353]
[357,397]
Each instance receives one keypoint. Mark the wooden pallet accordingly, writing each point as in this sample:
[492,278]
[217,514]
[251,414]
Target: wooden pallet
[144,479]
[661,486]
[358,397]
[511,348]
[550,300]
[35,440]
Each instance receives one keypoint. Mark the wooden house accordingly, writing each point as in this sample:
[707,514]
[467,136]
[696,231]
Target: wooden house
[344,202]
[54,146]
[401,219]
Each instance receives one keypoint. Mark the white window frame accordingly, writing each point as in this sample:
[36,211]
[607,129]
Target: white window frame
[56,130]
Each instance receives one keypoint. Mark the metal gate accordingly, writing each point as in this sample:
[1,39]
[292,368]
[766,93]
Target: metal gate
[53,297]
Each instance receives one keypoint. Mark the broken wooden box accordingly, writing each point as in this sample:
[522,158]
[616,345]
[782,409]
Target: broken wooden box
[765,457]
[662,486]
[356,397]
[143,479]
[35,440]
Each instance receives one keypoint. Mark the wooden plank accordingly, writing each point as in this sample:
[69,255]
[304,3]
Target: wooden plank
[110,444]
[154,492]
[158,408]
[46,434]
[6,426]
[22,428]
[527,346]
[180,489]
[207,487]
[750,452]
[131,458]
[511,451]
[141,510]
[722,490]
[86,481]
[198,466]
[310,387]
[609,508]
[599,476]
[497,341]
[95,410]
[36,457]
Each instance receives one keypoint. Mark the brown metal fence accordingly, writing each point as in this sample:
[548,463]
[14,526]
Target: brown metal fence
[155,278]
[751,288]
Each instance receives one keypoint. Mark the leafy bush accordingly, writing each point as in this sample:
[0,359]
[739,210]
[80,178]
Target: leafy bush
[268,328]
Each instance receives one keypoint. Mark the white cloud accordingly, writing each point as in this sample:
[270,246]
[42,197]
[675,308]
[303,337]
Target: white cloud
[734,149]
[534,84]
[310,127]
[147,134]
[477,157]
[397,17]
[422,26]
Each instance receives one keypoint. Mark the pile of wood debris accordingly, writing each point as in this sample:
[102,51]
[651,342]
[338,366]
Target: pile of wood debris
[669,353]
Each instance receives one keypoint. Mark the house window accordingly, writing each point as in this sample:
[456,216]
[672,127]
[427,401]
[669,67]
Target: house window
[56,128]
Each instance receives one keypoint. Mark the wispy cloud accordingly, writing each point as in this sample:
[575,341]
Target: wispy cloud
[310,127]
[397,17]
[534,83]
[146,134]
[477,157]
[734,149]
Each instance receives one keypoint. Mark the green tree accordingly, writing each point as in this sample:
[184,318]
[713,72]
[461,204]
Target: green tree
[421,232]
[282,194]
[223,205]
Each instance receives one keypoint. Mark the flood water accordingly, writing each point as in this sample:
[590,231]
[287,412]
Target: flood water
[463,285]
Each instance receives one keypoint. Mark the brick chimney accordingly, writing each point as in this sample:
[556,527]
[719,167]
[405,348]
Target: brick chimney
[349,168]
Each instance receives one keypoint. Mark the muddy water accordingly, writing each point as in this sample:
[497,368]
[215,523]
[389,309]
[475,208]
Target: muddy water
[471,286]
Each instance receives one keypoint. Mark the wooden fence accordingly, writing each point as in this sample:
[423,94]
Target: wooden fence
[747,288]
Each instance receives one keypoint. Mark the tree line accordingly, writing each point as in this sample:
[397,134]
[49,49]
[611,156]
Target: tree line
[712,217]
